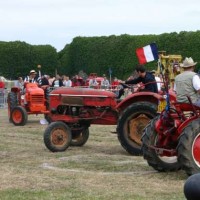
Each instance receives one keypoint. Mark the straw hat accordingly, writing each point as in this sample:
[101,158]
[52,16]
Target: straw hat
[188,62]
[33,72]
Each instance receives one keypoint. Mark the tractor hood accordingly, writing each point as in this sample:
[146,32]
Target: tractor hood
[82,97]
[84,92]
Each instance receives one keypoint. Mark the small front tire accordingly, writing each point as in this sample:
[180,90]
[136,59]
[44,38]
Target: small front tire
[57,137]
[19,116]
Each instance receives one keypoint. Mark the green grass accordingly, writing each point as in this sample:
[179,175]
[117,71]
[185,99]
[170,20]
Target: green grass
[100,170]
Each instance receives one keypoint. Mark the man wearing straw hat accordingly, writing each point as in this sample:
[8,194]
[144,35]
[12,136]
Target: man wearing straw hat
[188,83]
[32,77]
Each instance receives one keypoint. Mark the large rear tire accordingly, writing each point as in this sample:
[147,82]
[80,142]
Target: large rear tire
[131,124]
[189,148]
[154,159]
[19,116]
[79,137]
[12,102]
[57,137]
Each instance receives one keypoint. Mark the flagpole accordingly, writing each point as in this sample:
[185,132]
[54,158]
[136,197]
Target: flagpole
[165,81]
[110,73]
[110,79]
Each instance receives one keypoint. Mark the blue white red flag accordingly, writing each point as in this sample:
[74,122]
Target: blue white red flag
[147,54]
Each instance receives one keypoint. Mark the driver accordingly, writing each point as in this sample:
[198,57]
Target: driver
[147,78]
[32,77]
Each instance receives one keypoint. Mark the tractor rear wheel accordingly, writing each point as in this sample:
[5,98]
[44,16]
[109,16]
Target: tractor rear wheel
[131,124]
[18,116]
[57,136]
[12,102]
[79,137]
[154,158]
[189,148]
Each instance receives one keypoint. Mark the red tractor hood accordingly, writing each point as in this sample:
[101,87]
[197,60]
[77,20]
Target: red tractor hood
[82,92]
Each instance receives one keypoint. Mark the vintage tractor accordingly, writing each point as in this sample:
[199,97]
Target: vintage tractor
[171,141]
[73,110]
[32,100]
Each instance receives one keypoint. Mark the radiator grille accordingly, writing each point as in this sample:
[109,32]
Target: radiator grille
[37,99]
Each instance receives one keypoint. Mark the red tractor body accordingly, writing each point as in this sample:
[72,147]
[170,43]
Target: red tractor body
[35,98]
[73,105]
[78,108]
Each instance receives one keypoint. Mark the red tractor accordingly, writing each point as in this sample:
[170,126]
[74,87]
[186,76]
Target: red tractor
[33,100]
[171,141]
[73,110]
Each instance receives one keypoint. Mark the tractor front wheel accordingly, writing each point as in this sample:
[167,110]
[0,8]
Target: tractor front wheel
[19,116]
[154,158]
[79,137]
[131,124]
[189,148]
[57,137]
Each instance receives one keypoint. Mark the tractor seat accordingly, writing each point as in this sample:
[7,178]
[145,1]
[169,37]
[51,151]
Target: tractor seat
[186,106]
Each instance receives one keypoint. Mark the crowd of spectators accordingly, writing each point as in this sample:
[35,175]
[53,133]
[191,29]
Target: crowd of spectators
[66,81]
[84,81]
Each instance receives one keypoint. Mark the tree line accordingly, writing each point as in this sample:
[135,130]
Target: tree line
[93,54]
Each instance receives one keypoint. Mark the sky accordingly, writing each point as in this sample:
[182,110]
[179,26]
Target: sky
[57,22]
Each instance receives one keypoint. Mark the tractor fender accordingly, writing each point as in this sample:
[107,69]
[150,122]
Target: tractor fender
[185,124]
[15,89]
[151,97]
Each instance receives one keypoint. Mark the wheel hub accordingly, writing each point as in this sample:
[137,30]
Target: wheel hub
[59,137]
[136,127]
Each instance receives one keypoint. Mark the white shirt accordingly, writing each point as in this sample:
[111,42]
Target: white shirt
[105,83]
[56,83]
[158,80]
[93,82]
[67,83]
[27,79]
[196,82]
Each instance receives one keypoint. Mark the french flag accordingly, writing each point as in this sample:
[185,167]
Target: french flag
[147,54]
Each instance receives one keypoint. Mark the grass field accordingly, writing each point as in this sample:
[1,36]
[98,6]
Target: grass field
[100,170]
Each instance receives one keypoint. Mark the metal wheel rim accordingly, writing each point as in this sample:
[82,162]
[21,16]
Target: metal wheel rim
[166,159]
[59,137]
[17,116]
[135,128]
[196,150]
